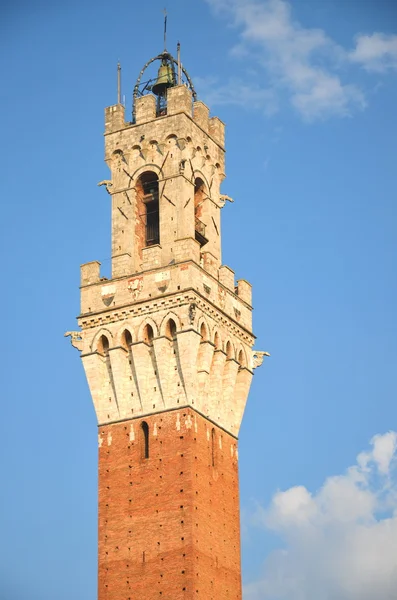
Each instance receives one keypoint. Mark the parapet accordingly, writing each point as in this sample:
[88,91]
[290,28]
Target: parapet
[201,114]
[179,99]
[217,130]
[226,277]
[244,291]
[121,265]
[145,108]
[90,273]
[114,118]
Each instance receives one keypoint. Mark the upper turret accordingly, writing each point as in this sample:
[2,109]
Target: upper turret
[167,165]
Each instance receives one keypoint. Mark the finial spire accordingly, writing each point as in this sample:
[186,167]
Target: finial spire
[178,49]
[165,29]
[118,83]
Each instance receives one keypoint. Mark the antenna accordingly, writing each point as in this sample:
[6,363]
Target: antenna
[178,47]
[118,83]
[165,29]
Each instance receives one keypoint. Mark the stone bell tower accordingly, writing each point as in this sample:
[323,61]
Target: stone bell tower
[166,345]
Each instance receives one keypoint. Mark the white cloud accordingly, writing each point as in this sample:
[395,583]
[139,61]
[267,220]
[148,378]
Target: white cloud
[238,93]
[376,52]
[341,542]
[302,64]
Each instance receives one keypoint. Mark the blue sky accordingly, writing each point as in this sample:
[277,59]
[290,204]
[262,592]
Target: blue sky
[308,93]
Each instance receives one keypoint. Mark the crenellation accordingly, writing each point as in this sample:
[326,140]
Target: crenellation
[145,109]
[226,277]
[114,118]
[179,99]
[90,273]
[201,114]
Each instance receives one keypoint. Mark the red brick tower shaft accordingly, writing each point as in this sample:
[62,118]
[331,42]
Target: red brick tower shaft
[168,524]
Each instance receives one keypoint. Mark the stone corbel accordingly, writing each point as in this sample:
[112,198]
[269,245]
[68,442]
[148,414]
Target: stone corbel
[257,358]
[76,339]
[107,183]
[223,198]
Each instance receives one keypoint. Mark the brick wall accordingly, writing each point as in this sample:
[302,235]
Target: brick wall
[168,524]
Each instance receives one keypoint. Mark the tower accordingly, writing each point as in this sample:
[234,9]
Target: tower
[166,345]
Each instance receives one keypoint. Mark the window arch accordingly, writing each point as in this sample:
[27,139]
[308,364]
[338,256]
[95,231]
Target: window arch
[199,197]
[217,341]
[145,439]
[170,329]
[204,332]
[126,339]
[103,345]
[229,350]
[148,334]
[241,359]
[148,225]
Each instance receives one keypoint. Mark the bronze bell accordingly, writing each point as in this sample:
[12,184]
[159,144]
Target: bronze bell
[164,79]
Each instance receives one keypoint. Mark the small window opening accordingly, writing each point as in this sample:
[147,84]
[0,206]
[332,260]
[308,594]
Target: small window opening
[217,341]
[199,197]
[203,332]
[148,206]
[126,339]
[241,359]
[213,447]
[103,345]
[229,350]
[145,439]
[170,330]
[148,334]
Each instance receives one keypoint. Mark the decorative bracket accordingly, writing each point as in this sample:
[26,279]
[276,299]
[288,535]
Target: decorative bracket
[257,358]
[223,198]
[107,183]
[76,339]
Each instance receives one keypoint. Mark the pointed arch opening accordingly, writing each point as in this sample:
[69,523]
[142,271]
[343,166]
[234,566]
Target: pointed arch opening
[148,334]
[145,450]
[103,345]
[229,351]
[217,341]
[148,223]
[241,360]
[126,339]
[204,332]
[170,329]
[199,196]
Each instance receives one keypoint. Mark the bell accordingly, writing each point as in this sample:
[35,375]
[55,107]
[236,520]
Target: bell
[164,79]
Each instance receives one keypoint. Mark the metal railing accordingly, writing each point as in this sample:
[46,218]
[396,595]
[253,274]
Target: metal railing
[153,231]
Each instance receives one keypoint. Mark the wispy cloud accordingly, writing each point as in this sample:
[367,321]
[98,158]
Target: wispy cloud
[300,63]
[238,93]
[340,542]
[376,52]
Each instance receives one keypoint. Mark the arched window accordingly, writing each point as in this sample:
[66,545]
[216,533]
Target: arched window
[103,345]
[217,341]
[229,350]
[199,197]
[126,339]
[204,332]
[148,334]
[170,330]
[241,359]
[145,439]
[148,227]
